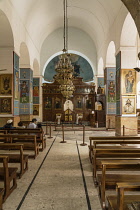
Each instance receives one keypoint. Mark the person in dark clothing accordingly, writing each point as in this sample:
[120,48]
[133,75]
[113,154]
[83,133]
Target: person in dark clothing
[9,124]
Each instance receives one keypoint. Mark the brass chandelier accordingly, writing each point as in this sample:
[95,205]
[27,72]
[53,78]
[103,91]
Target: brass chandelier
[64,67]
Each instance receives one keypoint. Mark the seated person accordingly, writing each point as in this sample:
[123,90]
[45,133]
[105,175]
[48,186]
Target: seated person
[20,125]
[39,125]
[9,124]
[33,123]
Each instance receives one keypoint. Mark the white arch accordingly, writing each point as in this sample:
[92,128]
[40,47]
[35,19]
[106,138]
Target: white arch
[69,51]
[129,32]
[24,56]
[36,67]
[100,67]
[110,57]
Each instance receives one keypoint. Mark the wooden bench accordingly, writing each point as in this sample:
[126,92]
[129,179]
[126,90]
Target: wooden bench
[37,131]
[108,138]
[20,158]
[1,197]
[29,142]
[121,153]
[121,201]
[8,175]
[108,180]
[114,144]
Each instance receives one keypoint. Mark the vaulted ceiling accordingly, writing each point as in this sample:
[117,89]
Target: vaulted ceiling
[42,17]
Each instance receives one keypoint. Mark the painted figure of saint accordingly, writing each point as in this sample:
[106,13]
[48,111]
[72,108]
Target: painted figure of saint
[129,82]
[111,91]
[5,107]
[16,84]
[6,89]
[24,92]
[128,108]
[35,91]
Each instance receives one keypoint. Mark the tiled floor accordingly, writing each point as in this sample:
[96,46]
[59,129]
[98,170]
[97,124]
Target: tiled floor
[60,178]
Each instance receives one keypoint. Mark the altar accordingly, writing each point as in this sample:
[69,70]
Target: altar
[82,102]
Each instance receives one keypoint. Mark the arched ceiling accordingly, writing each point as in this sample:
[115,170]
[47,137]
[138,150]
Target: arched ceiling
[41,18]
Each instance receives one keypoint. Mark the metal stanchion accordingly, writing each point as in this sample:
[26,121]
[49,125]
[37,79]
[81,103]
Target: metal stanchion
[50,132]
[123,130]
[83,144]
[55,126]
[46,129]
[63,134]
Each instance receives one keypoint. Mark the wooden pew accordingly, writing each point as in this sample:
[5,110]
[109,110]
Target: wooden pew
[108,138]
[1,197]
[108,181]
[120,201]
[8,175]
[114,144]
[121,153]
[38,132]
[20,158]
[29,142]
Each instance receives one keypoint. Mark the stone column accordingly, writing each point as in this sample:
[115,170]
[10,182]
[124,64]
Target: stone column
[126,81]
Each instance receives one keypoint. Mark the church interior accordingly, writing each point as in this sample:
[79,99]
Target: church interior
[74,67]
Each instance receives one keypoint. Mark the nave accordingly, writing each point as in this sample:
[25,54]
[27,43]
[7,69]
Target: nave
[59,178]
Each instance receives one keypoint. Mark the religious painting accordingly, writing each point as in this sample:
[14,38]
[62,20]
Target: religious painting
[68,105]
[111,108]
[25,73]
[82,68]
[6,84]
[89,103]
[16,107]
[57,103]
[24,108]
[68,115]
[48,103]
[24,91]
[35,100]
[31,92]
[128,81]
[79,103]
[36,81]
[111,73]
[111,95]
[128,105]
[100,81]
[35,109]
[5,106]
[16,85]
[118,85]
[36,91]
[16,61]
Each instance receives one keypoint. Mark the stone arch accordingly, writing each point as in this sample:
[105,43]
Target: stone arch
[110,57]
[6,33]
[6,44]
[100,67]
[36,69]
[133,7]
[24,56]
[129,32]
